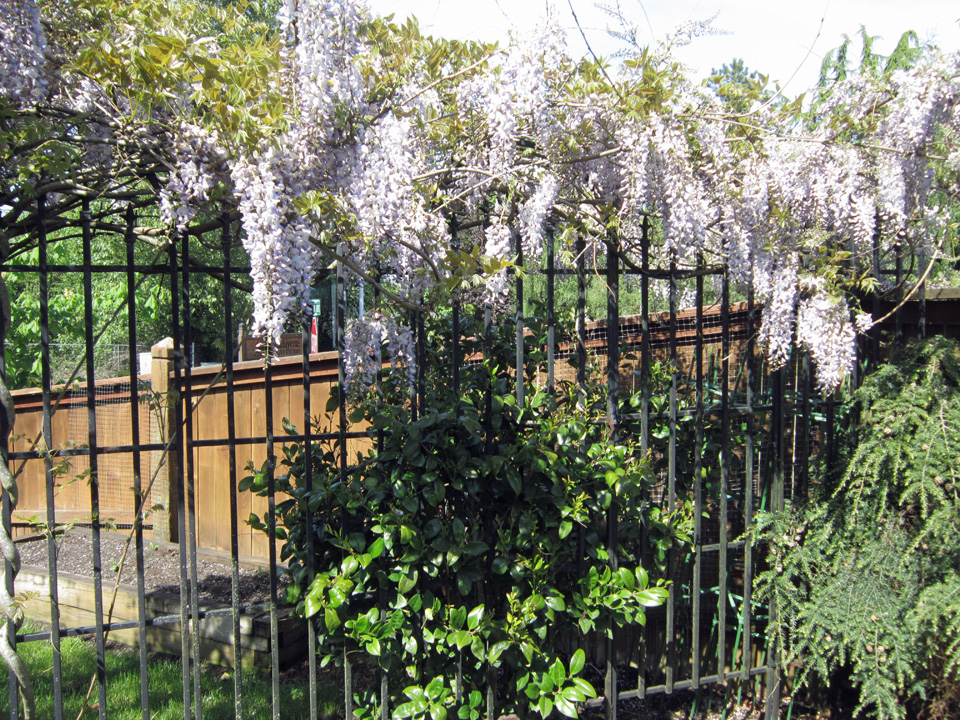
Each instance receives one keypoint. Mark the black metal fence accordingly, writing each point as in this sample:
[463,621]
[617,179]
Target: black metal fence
[705,395]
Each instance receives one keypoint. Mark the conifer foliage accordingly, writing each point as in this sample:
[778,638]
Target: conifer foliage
[865,578]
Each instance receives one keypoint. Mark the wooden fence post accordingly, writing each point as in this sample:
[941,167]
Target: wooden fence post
[161,430]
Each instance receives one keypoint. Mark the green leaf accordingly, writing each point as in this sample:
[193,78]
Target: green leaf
[474,618]
[312,604]
[408,582]
[496,650]
[475,547]
[331,619]
[435,687]
[376,548]
[545,707]
[566,707]
[558,672]
[577,662]
[585,687]
[555,602]
[349,565]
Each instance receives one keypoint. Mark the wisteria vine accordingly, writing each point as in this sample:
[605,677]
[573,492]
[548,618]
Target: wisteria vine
[386,137]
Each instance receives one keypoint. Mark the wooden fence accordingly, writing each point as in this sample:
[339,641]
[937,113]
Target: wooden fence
[156,414]
[115,403]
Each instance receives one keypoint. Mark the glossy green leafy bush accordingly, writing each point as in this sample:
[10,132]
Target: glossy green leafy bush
[472,541]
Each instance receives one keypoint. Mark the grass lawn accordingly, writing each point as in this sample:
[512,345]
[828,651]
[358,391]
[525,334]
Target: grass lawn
[165,685]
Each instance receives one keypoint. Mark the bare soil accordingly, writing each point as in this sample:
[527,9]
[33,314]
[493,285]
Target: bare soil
[161,566]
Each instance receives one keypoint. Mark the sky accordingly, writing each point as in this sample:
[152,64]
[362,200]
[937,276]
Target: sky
[785,39]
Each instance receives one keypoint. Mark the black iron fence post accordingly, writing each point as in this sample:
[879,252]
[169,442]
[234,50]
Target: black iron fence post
[613,429]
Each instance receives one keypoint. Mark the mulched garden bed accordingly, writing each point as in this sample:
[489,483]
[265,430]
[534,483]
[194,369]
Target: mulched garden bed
[161,562]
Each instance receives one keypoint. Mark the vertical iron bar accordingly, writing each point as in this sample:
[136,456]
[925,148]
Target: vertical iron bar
[581,322]
[777,380]
[57,670]
[922,309]
[381,476]
[94,450]
[875,295]
[139,507]
[698,482]
[191,474]
[177,447]
[645,335]
[272,534]
[805,425]
[341,311]
[551,313]
[307,513]
[229,350]
[456,321]
[421,362]
[672,475]
[644,401]
[490,671]
[414,395]
[613,429]
[520,359]
[748,500]
[898,252]
[725,453]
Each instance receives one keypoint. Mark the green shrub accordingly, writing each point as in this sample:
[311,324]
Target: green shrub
[474,539]
[866,577]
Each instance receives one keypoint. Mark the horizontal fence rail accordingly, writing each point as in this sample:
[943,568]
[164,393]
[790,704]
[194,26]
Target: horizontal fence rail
[157,460]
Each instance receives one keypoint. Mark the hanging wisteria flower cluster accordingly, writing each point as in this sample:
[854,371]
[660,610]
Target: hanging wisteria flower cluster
[22,53]
[365,339]
[387,139]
